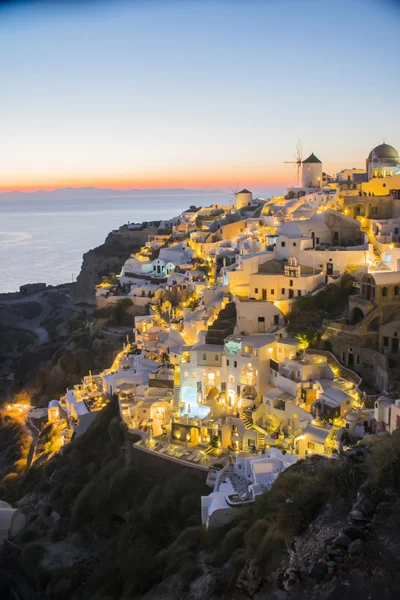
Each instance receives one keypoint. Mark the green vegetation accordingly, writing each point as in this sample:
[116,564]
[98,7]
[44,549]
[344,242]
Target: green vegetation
[50,438]
[145,523]
[110,279]
[31,559]
[384,463]
[15,442]
[306,339]
[117,314]
[129,512]
[308,312]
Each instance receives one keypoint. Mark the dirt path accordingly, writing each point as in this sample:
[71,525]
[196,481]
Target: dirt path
[34,324]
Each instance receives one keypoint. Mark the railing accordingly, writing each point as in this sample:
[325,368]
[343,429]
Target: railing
[289,375]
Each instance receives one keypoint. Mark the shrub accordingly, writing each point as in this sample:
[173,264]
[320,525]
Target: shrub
[271,549]
[190,571]
[383,463]
[56,532]
[28,536]
[254,536]
[31,559]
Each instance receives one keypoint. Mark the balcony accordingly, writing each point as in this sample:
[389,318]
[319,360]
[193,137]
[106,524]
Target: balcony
[211,378]
[248,376]
[289,374]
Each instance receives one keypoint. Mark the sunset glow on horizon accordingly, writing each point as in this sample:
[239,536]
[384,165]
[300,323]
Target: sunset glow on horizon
[202,95]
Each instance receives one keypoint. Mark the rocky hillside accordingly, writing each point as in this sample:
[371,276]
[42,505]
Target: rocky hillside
[103,524]
[105,259]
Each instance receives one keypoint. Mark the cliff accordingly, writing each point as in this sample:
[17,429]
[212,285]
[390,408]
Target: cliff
[105,259]
[327,529]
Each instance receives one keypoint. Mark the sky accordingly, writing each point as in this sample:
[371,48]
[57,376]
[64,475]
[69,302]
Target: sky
[186,93]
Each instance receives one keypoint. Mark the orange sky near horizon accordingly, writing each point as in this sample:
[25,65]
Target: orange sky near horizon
[227,179]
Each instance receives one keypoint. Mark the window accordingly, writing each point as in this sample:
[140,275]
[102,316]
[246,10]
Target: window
[256,290]
[194,374]
[311,446]
[204,356]
[386,342]
[254,352]
[384,291]
[272,292]
[283,291]
[396,230]
[291,282]
[231,379]
[276,319]
[374,210]
[216,356]
[227,362]
[186,374]
[294,416]
[235,364]
[283,244]
[261,324]
[294,244]
[396,290]
[238,390]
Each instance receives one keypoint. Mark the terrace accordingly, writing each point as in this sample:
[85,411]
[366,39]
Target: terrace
[187,454]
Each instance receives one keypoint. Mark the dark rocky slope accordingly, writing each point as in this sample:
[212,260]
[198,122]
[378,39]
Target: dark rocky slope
[105,259]
[103,526]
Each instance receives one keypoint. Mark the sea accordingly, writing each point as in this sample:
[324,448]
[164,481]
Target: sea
[43,239]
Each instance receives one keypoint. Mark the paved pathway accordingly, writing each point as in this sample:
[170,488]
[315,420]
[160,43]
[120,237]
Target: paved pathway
[33,325]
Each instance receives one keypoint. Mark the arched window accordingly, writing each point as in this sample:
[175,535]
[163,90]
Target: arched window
[384,291]
[396,290]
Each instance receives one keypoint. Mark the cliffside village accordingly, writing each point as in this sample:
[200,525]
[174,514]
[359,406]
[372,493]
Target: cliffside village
[211,377]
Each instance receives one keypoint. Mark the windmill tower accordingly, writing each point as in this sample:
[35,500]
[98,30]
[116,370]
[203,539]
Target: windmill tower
[298,160]
[243,198]
[311,174]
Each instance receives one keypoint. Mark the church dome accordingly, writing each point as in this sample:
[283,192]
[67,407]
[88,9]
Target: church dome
[385,152]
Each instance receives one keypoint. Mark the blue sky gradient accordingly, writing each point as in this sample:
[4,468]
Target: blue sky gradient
[202,94]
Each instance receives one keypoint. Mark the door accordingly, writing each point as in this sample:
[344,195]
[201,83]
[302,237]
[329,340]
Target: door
[350,359]
[291,294]
[395,345]
[264,294]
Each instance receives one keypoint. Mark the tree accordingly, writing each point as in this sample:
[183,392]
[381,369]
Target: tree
[306,340]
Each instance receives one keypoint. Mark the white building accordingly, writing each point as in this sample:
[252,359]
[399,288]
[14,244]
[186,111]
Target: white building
[236,486]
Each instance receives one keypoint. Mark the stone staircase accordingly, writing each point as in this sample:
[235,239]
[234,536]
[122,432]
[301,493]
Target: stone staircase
[260,440]
[247,423]
[177,390]
[377,254]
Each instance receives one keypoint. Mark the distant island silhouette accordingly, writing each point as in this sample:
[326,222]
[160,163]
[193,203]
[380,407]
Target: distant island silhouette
[93,192]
